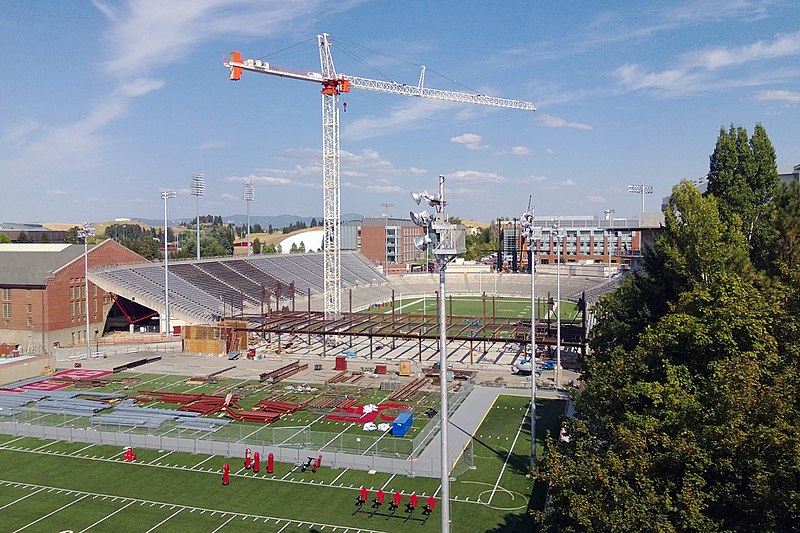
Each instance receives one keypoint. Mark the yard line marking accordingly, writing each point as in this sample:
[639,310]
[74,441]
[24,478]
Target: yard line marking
[45,445]
[84,448]
[340,475]
[387,482]
[203,461]
[51,513]
[519,429]
[284,527]
[20,499]
[107,517]
[14,440]
[225,523]
[159,458]
[164,521]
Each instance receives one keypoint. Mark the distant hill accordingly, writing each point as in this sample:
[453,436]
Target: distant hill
[277,221]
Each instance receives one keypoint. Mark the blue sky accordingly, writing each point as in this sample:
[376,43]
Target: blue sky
[104,104]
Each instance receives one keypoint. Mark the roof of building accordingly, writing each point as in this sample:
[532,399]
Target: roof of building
[29,264]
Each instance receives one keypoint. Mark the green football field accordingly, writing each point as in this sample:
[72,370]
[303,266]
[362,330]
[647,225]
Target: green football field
[48,485]
[473,306]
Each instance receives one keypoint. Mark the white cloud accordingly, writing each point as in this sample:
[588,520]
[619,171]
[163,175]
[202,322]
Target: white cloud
[470,140]
[19,131]
[550,121]
[520,150]
[721,57]
[568,182]
[269,178]
[596,199]
[475,176]
[789,97]
[56,192]
[697,71]
[147,35]
[410,115]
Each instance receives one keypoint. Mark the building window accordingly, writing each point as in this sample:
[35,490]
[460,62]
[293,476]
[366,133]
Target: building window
[95,307]
[6,295]
[72,308]
[30,308]
[6,310]
[30,322]
[30,293]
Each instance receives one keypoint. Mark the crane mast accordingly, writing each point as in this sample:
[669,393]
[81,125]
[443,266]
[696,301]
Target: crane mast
[333,85]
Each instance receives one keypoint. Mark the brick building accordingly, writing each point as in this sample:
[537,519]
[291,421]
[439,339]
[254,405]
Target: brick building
[42,293]
[384,240]
[585,239]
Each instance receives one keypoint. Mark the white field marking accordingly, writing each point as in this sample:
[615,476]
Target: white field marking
[161,457]
[13,440]
[181,468]
[20,499]
[340,475]
[388,481]
[302,428]
[225,523]
[51,513]
[436,494]
[107,517]
[284,527]
[65,422]
[173,515]
[252,433]
[505,463]
[401,307]
[153,503]
[203,461]
[45,445]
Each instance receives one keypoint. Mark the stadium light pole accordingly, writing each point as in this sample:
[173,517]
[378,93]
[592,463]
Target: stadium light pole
[248,195]
[85,232]
[198,189]
[166,195]
[386,206]
[642,190]
[609,218]
[530,234]
[450,242]
[558,233]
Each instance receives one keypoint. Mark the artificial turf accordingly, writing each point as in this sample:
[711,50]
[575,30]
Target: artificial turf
[182,492]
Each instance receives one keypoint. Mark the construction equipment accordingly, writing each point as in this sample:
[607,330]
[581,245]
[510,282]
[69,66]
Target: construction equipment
[333,85]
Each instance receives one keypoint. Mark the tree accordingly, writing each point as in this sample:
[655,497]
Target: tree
[689,417]
[23,237]
[301,247]
[293,249]
[256,246]
[269,229]
[269,249]
[743,176]
[4,238]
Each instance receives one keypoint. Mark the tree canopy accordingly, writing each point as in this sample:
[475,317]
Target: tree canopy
[689,416]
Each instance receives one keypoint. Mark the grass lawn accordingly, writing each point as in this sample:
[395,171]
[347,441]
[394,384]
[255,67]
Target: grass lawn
[50,485]
[473,306]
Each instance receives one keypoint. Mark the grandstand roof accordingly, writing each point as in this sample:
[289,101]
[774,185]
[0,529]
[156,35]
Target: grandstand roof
[24,264]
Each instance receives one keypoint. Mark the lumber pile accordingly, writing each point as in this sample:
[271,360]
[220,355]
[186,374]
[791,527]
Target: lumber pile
[408,390]
[283,372]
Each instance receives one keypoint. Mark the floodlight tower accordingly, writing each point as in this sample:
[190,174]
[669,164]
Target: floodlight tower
[333,85]
[248,195]
[450,243]
[641,189]
[166,195]
[84,233]
[198,189]
[610,219]
[558,231]
[531,234]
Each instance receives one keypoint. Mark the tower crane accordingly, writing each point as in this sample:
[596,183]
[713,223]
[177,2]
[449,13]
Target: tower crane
[333,85]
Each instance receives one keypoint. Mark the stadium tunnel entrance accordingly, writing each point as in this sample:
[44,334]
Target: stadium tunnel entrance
[126,315]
